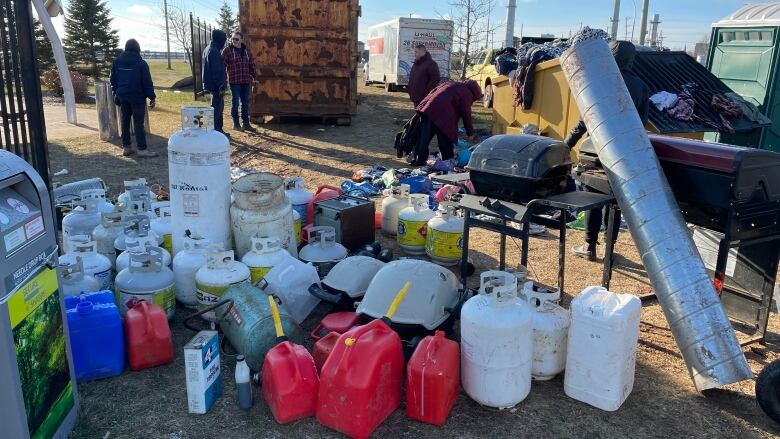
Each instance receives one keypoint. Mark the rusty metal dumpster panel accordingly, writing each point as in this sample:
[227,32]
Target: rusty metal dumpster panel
[305,56]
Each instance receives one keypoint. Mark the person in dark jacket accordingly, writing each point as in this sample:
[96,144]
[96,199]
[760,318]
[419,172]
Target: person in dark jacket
[214,76]
[424,75]
[624,52]
[441,110]
[241,74]
[131,85]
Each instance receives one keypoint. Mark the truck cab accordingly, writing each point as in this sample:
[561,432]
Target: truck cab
[485,73]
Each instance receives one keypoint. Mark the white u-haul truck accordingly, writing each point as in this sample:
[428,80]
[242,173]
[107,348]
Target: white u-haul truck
[391,49]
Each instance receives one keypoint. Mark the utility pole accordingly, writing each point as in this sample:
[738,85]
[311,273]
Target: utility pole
[643,25]
[510,23]
[167,35]
[654,30]
[615,20]
[626,37]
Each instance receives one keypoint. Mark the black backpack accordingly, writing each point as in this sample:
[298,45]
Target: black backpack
[408,138]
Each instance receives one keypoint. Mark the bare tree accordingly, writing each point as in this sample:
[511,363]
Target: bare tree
[181,35]
[471,19]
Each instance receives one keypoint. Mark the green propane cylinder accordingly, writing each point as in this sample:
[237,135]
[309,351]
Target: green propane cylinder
[250,327]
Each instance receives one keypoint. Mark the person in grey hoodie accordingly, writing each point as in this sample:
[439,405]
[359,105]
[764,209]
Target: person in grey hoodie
[131,85]
[215,77]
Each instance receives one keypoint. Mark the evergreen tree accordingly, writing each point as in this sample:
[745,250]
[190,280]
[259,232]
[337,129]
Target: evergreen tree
[226,21]
[90,42]
[43,47]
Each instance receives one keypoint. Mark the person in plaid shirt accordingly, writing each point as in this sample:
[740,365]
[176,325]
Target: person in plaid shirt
[241,74]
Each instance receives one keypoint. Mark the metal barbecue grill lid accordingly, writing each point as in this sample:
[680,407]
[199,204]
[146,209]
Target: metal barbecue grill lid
[519,155]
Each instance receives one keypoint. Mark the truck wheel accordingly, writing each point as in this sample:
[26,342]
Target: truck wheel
[389,88]
[768,390]
[487,96]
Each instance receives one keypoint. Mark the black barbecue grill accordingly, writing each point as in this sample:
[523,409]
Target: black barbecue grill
[519,168]
[731,195]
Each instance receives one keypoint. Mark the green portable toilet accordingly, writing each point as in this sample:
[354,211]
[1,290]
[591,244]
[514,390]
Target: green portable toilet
[744,55]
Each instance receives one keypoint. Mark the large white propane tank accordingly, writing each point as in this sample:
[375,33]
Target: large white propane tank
[73,281]
[106,232]
[80,221]
[601,354]
[295,189]
[551,331]
[185,264]
[260,208]
[444,236]
[394,201]
[146,279]
[95,264]
[213,279]
[496,343]
[266,252]
[161,224]
[322,249]
[412,224]
[199,176]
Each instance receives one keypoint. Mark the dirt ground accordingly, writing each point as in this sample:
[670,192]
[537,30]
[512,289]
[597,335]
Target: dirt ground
[152,403]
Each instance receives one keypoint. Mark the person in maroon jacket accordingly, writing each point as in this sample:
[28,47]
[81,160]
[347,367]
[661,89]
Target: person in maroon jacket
[441,110]
[240,68]
[424,75]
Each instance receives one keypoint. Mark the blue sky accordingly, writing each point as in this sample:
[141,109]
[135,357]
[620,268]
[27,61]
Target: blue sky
[682,21]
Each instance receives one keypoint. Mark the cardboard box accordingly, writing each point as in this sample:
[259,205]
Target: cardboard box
[202,367]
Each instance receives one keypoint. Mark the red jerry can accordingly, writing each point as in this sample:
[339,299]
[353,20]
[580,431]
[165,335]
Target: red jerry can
[361,380]
[322,349]
[148,336]
[340,322]
[290,382]
[432,378]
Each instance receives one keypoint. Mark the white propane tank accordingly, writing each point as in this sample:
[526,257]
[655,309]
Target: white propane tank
[266,252]
[146,279]
[295,189]
[106,233]
[80,221]
[140,203]
[260,208]
[551,331]
[394,201]
[412,224]
[444,236]
[496,343]
[135,225]
[137,183]
[601,356]
[213,279]
[95,264]
[185,264]
[322,249]
[100,195]
[139,244]
[161,224]
[73,281]
[199,175]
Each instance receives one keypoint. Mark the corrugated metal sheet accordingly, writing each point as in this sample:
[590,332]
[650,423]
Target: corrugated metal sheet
[754,14]
[668,71]
[305,56]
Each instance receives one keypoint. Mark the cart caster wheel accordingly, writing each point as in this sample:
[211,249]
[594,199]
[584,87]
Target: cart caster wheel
[768,390]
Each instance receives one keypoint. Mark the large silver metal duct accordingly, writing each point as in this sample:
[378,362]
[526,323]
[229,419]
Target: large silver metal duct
[692,308]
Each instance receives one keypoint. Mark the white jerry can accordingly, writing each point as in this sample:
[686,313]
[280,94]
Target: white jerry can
[496,343]
[601,356]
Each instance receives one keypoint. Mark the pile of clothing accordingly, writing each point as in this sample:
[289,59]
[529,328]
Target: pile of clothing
[529,55]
